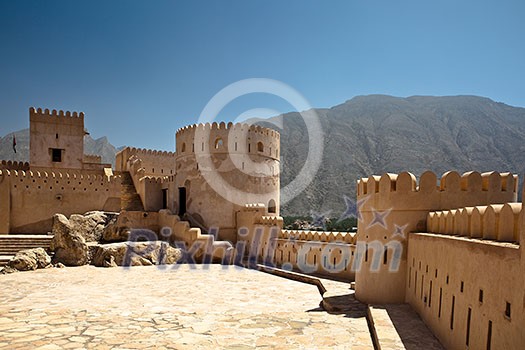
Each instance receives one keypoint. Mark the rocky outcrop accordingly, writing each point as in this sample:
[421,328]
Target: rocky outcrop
[80,240]
[115,232]
[68,243]
[27,260]
[135,254]
[72,236]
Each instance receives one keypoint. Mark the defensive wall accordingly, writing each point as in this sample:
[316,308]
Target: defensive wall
[310,252]
[30,199]
[14,165]
[154,163]
[393,205]
[469,291]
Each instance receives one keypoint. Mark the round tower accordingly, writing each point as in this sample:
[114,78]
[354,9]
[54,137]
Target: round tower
[222,167]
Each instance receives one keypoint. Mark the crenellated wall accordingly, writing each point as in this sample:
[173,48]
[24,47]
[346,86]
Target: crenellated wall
[329,254]
[498,222]
[310,252]
[392,205]
[30,199]
[228,138]
[154,163]
[14,165]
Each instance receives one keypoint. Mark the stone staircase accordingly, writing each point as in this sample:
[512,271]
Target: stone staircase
[11,244]
[129,198]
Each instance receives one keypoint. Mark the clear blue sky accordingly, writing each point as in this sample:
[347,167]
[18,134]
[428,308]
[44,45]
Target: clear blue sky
[142,69]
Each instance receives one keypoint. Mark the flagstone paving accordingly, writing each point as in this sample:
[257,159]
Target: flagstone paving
[182,308]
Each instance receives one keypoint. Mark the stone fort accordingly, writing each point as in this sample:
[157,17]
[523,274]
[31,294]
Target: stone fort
[448,246]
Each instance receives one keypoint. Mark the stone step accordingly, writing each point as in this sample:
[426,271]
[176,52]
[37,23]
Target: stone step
[4,259]
[129,198]
[26,236]
[18,243]
[11,244]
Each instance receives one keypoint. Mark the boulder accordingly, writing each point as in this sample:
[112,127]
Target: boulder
[7,269]
[30,259]
[91,225]
[135,254]
[72,237]
[68,243]
[115,233]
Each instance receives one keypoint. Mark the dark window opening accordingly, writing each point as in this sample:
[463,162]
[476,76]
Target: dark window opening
[481,295]
[422,284]
[507,310]
[56,155]
[489,336]
[440,298]
[430,295]
[468,326]
[272,207]
[182,201]
[462,285]
[165,198]
[385,256]
[56,136]
[452,313]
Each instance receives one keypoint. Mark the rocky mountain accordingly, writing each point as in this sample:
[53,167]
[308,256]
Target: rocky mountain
[100,146]
[376,134]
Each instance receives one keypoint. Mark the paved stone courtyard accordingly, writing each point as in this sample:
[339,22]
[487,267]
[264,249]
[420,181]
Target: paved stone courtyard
[181,308]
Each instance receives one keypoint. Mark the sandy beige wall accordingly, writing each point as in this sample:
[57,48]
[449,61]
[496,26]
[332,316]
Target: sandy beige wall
[392,205]
[45,126]
[36,196]
[459,268]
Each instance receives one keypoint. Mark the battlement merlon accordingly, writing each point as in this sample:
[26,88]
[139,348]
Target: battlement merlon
[67,117]
[228,138]
[67,175]
[14,165]
[237,127]
[403,192]
[149,152]
[146,157]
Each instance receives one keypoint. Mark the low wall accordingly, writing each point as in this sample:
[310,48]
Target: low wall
[499,222]
[469,292]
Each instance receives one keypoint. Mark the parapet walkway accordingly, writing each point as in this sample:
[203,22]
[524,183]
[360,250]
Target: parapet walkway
[399,327]
[392,327]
